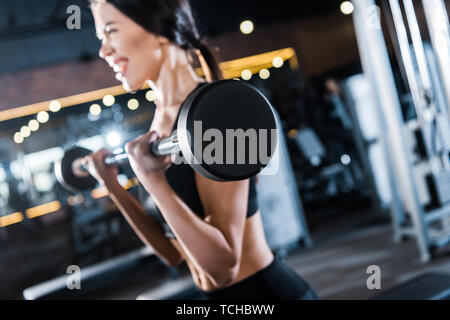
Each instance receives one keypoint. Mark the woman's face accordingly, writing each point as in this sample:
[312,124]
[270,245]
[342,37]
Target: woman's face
[134,53]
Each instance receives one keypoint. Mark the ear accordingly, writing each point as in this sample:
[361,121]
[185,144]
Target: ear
[162,40]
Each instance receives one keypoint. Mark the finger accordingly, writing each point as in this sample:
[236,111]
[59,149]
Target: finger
[103,151]
[130,146]
[168,159]
[164,135]
[168,162]
[146,140]
[151,136]
[99,156]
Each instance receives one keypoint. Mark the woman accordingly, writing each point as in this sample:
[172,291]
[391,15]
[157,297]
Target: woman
[215,227]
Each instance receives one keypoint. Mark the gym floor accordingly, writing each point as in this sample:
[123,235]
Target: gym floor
[337,268]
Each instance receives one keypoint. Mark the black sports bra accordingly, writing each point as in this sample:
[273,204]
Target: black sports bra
[182,180]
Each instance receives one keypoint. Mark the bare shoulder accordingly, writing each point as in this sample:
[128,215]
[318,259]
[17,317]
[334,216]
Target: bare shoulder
[225,205]
[219,196]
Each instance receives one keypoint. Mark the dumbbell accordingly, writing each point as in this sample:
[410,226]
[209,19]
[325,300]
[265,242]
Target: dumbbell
[216,107]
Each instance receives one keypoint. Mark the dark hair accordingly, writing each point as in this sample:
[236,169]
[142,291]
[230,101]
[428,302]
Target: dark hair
[172,19]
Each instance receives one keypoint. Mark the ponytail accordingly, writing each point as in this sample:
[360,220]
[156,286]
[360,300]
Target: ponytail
[211,63]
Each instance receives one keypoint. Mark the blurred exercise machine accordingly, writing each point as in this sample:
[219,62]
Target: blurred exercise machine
[414,151]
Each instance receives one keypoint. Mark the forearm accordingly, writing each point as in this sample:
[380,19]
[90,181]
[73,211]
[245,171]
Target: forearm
[147,229]
[205,244]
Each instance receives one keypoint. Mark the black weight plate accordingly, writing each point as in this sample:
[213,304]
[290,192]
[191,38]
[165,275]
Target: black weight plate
[222,105]
[65,175]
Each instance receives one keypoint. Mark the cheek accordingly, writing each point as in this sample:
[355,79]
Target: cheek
[144,58]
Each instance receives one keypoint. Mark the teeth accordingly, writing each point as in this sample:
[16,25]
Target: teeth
[119,68]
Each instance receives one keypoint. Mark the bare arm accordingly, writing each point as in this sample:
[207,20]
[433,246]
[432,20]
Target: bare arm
[213,245]
[147,229]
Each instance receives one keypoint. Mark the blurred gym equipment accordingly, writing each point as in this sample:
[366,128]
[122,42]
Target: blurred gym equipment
[410,217]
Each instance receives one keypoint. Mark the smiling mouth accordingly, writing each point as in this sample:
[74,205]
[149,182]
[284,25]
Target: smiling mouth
[120,69]
[119,65]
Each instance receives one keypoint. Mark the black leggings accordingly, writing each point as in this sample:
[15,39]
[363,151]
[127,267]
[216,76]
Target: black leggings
[277,281]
